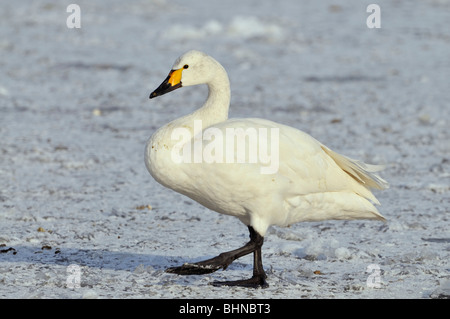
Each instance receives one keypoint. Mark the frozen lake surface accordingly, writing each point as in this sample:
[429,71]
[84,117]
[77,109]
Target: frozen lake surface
[75,117]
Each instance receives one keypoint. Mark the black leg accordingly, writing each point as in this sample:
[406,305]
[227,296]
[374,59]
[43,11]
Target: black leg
[259,276]
[225,259]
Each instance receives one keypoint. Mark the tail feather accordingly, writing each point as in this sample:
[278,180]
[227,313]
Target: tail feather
[360,171]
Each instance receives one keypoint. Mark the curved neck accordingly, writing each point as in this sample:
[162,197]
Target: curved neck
[215,109]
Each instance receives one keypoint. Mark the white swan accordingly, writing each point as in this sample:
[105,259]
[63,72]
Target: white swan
[311,182]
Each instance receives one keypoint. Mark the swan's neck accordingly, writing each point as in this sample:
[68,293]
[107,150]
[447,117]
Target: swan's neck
[215,109]
[159,160]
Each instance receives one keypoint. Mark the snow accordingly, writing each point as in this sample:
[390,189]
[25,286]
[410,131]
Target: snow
[75,116]
[240,27]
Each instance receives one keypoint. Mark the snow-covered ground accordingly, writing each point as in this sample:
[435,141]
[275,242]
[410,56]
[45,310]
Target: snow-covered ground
[75,116]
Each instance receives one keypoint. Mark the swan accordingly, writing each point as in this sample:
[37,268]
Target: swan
[309,182]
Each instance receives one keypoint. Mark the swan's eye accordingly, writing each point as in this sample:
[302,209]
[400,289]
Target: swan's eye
[185,66]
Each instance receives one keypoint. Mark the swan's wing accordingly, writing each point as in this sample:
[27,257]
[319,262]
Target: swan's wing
[299,171]
[361,172]
[261,147]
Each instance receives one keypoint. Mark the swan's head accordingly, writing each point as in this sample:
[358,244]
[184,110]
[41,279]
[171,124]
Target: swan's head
[192,68]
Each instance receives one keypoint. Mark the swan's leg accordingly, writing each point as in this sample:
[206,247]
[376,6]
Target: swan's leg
[225,259]
[256,281]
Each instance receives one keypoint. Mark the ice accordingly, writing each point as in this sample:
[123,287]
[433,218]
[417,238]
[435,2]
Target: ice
[240,27]
[90,294]
[443,291]
[343,253]
[75,117]
[248,27]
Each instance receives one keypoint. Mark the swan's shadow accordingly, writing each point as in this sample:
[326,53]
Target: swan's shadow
[94,258]
[99,258]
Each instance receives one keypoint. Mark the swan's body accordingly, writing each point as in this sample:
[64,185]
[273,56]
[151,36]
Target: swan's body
[311,183]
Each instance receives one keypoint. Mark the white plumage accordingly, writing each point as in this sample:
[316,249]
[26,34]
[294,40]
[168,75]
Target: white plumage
[311,183]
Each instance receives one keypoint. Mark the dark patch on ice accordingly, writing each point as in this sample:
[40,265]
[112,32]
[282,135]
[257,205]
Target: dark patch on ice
[437,240]
[8,250]
[97,66]
[347,78]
